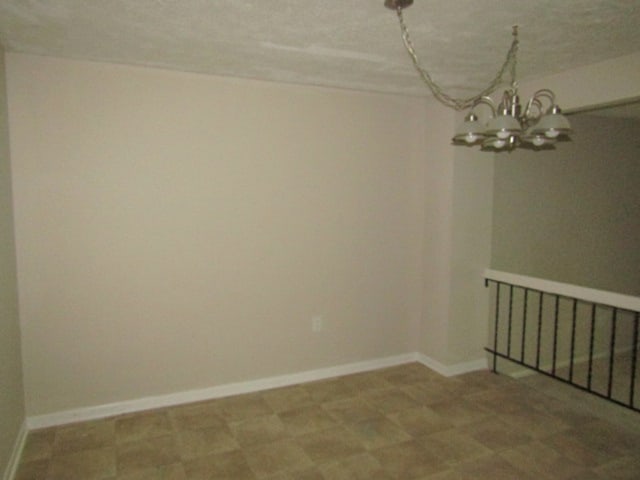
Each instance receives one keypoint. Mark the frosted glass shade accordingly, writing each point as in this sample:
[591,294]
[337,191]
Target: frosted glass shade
[503,126]
[495,142]
[537,139]
[470,131]
[552,125]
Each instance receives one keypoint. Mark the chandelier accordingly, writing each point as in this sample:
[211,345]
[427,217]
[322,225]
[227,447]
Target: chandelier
[508,124]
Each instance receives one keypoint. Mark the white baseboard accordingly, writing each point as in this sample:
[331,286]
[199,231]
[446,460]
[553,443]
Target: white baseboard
[168,400]
[18,447]
[452,370]
[159,401]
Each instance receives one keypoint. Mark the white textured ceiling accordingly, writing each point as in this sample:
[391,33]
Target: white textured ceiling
[351,44]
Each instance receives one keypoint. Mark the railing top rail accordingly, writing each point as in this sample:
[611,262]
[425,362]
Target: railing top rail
[603,297]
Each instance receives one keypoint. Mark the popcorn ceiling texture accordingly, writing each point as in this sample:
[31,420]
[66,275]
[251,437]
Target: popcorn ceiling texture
[354,44]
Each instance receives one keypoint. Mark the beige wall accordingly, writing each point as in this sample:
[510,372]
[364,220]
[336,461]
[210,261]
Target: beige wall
[437,242]
[458,199]
[572,214]
[12,411]
[603,83]
[465,225]
[471,220]
[179,231]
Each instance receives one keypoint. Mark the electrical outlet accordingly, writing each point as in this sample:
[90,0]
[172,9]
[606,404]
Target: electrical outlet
[317,323]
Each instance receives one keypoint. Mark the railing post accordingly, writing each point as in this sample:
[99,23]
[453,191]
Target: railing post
[573,338]
[495,329]
[634,359]
[591,344]
[510,320]
[539,336]
[612,348]
[524,323]
[555,335]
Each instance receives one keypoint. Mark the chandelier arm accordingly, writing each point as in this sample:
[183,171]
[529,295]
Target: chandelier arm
[547,94]
[438,92]
[485,100]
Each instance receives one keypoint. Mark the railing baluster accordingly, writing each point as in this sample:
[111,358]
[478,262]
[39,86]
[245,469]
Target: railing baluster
[555,335]
[524,323]
[591,342]
[510,320]
[612,348]
[573,338]
[539,339]
[495,328]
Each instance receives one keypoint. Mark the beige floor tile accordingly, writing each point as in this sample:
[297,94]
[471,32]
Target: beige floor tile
[542,461]
[458,388]
[33,470]
[358,467]
[329,390]
[378,432]
[575,418]
[361,382]
[430,393]
[390,400]
[220,466]
[407,374]
[491,468]
[147,453]
[141,426]
[402,422]
[484,380]
[460,411]
[536,423]
[330,445]
[497,435]
[84,436]
[95,464]
[570,445]
[607,438]
[39,445]
[205,441]
[420,421]
[448,474]
[307,420]
[165,472]
[244,407]
[625,468]
[453,446]
[501,401]
[349,410]
[288,398]
[196,415]
[277,457]
[258,430]
[305,474]
[588,475]
[576,407]
[408,460]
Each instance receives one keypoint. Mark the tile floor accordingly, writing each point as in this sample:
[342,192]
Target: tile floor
[404,422]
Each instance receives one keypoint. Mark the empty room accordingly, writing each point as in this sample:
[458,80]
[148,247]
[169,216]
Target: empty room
[319,240]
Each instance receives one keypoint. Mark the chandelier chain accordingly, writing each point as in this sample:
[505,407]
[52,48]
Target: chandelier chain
[439,93]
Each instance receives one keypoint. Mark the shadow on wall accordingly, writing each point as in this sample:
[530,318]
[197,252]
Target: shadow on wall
[570,215]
